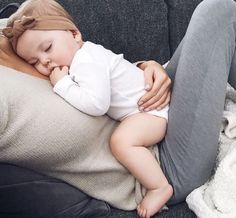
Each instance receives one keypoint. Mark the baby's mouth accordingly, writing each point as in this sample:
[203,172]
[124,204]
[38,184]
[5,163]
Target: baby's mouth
[52,68]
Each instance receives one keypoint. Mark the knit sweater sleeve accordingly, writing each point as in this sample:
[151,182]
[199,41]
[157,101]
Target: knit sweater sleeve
[3,114]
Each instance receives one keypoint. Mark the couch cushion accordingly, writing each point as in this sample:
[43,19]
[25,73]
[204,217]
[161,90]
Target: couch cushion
[8,10]
[138,28]
[6,2]
[180,12]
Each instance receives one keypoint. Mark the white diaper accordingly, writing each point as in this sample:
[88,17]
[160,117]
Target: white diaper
[159,113]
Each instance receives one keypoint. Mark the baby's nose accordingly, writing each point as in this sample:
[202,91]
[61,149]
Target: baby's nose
[46,64]
[45,60]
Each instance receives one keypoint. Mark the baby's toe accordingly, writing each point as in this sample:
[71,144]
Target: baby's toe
[144,212]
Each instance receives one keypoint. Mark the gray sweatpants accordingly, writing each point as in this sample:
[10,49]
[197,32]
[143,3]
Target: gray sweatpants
[200,67]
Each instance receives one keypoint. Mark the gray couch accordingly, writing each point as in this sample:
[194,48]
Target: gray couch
[142,30]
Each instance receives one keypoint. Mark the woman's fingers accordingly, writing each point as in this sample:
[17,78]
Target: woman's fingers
[165,103]
[157,85]
[156,102]
[156,95]
[148,79]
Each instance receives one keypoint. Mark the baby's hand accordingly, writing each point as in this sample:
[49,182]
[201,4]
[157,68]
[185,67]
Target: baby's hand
[58,74]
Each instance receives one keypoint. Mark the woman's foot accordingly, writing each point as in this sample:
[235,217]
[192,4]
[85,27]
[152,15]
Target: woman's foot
[154,200]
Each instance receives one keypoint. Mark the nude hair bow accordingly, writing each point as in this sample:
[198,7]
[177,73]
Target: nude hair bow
[18,28]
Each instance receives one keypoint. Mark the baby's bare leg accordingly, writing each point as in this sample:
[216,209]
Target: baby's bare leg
[129,144]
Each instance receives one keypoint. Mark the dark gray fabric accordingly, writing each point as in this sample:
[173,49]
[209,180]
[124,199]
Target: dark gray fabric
[6,2]
[26,194]
[8,10]
[179,15]
[125,26]
[178,211]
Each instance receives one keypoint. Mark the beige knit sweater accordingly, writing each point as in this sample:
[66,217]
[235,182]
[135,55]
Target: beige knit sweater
[39,130]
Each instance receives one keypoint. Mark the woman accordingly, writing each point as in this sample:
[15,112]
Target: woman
[200,68]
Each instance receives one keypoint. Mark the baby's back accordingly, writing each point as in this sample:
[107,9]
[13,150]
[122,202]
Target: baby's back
[125,79]
[127,86]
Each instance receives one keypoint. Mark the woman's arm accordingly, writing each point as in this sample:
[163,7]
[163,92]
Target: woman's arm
[158,86]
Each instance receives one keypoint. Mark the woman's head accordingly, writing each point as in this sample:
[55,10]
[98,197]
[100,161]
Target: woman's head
[39,17]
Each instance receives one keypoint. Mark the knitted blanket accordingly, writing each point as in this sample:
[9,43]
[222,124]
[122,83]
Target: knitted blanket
[217,197]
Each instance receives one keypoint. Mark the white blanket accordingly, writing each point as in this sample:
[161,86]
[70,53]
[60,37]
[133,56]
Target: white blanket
[217,197]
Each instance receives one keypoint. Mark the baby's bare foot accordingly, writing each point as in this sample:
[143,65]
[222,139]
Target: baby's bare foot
[154,200]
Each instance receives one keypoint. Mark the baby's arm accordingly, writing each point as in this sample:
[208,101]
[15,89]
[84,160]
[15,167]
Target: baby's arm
[88,90]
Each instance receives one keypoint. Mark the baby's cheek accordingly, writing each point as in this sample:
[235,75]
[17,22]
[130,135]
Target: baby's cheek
[42,69]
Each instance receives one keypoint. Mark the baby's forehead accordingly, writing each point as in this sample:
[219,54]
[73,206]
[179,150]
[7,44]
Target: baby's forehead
[47,33]
[29,42]
[36,36]
[36,39]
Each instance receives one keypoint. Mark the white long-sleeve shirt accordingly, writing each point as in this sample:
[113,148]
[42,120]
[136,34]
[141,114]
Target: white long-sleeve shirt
[102,82]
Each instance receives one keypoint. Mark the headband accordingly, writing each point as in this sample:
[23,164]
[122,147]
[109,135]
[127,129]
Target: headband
[39,23]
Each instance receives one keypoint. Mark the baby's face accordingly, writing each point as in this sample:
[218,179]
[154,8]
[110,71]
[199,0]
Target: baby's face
[46,50]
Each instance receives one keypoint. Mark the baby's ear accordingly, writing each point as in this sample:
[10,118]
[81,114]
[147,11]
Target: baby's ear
[77,35]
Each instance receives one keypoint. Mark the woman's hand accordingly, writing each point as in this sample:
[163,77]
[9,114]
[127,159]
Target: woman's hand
[157,85]
[57,74]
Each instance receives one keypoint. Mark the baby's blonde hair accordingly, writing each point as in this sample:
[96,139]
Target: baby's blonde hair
[38,8]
